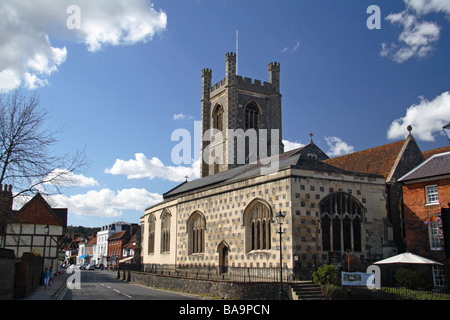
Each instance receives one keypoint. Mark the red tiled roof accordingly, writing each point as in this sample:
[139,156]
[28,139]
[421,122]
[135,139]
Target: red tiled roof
[92,241]
[429,153]
[37,211]
[130,244]
[117,235]
[378,160]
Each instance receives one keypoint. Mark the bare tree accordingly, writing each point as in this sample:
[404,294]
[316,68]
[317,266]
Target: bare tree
[26,161]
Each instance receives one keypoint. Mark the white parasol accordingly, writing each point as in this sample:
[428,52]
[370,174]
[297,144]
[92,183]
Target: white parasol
[407,258]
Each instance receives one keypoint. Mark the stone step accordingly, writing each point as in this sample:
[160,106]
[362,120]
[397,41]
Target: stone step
[306,291]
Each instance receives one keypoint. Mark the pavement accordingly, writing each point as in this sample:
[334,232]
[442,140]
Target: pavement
[54,292]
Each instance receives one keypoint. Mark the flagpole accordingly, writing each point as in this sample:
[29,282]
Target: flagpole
[237,52]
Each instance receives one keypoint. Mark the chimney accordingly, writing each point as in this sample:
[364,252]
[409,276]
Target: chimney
[6,203]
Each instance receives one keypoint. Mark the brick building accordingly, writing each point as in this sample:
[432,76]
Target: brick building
[426,191]
[116,243]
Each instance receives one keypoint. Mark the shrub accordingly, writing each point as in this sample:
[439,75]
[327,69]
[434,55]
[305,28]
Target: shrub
[411,279]
[333,292]
[326,275]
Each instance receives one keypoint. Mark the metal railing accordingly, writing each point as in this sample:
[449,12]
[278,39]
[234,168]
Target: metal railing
[237,274]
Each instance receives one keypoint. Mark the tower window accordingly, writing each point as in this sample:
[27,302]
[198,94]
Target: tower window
[251,116]
[218,118]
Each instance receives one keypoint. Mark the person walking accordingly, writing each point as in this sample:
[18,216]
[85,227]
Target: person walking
[46,277]
[52,274]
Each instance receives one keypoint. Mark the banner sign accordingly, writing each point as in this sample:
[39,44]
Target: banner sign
[355,278]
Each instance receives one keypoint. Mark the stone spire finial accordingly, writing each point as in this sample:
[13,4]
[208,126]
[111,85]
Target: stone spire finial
[409,130]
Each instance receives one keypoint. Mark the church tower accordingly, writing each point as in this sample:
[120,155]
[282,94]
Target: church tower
[241,118]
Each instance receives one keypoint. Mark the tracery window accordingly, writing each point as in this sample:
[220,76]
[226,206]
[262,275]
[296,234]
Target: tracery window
[151,233]
[196,229]
[341,218]
[218,118]
[257,221]
[165,231]
[251,116]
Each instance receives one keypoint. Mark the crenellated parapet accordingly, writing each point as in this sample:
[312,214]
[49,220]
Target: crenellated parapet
[248,84]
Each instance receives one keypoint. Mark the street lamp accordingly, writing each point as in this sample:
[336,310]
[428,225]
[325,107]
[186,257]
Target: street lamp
[447,130]
[46,230]
[279,218]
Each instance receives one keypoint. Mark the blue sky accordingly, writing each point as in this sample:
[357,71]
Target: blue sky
[131,74]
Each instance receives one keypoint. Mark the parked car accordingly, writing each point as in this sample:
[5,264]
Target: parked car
[83,266]
[90,267]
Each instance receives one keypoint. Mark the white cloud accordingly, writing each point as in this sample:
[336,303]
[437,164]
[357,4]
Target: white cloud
[182,116]
[62,177]
[27,55]
[291,145]
[338,147]
[429,6]
[106,203]
[142,167]
[293,48]
[179,116]
[426,118]
[416,40]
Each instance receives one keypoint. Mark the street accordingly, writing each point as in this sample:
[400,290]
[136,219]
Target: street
[103,285]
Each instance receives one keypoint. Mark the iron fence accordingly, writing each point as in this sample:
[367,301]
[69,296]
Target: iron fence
[237,274]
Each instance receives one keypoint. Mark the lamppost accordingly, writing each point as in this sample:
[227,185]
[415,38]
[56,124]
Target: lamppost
[46,230]
[447,130]
[279,220]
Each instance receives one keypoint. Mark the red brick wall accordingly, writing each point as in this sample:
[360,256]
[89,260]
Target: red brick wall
[417,214]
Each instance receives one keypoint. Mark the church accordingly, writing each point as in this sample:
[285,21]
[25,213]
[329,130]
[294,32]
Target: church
[332,207]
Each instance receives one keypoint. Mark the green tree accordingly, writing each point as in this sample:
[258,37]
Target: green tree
[26,160]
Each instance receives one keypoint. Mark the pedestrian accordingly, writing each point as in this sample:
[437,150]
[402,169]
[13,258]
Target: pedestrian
[52,274]
[46,277]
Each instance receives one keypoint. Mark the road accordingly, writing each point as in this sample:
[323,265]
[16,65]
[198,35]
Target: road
[102,285]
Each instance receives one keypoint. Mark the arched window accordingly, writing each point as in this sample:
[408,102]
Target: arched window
[257,218]
[251,116]
[341,217]
[151,233]
[196,231]
[218,118]
[165,231]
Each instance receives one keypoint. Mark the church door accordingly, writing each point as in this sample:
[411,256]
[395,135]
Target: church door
[223,257]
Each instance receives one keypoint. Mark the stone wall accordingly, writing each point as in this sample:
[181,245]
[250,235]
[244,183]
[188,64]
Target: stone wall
[29,272]
[7,272]
[213,288]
